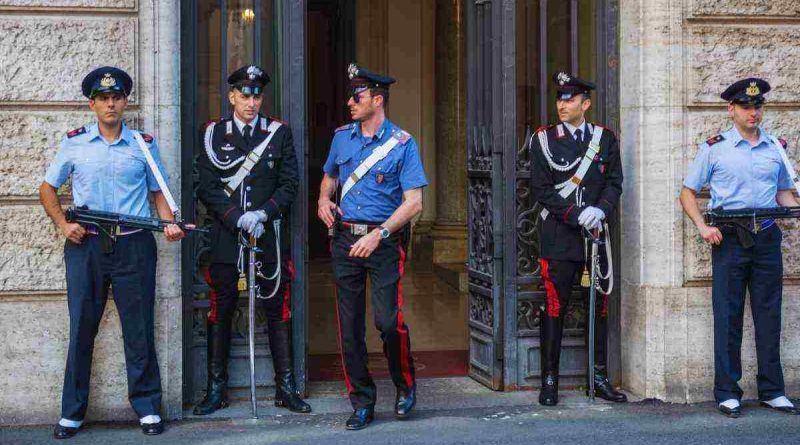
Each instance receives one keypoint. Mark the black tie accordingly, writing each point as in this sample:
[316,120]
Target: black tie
[246,135]
[578,136]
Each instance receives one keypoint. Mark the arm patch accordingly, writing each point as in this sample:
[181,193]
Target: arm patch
[78,131]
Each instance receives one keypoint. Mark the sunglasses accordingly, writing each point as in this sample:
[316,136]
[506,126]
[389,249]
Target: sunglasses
[249,91]
[356,94]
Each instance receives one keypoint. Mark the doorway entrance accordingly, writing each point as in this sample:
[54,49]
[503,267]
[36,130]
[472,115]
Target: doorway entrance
[434,309]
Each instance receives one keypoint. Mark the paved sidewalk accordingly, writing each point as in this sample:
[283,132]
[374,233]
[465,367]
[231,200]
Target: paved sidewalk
[451,411]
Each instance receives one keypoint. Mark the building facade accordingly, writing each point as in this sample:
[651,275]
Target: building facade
[473,82]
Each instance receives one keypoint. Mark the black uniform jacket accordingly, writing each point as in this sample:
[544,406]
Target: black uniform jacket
[271,186]
[560,234]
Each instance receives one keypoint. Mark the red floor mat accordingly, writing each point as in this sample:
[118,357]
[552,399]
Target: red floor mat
[428,364]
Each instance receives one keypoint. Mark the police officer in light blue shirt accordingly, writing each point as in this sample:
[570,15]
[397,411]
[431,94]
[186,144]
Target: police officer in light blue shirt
[379,169]
[109,172]
[743,168]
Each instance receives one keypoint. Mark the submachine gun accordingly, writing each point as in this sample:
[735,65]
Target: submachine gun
[110,224]
[748,222]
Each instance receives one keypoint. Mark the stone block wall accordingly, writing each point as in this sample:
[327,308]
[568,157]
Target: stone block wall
[677,56]
[47,47]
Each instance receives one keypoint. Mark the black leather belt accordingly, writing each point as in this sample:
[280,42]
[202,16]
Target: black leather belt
[357,229]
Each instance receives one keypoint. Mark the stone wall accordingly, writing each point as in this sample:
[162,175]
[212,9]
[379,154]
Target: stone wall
[677,56]
[47,47]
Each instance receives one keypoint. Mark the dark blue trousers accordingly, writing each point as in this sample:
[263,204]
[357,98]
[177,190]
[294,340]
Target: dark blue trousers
[759,270]
[130,270]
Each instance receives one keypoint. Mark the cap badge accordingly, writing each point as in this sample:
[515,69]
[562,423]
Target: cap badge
[253,72]
[352,71]
[753,90]
[107,81]
[563,78]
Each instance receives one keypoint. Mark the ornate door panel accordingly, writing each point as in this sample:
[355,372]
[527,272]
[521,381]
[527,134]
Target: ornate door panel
[485,196]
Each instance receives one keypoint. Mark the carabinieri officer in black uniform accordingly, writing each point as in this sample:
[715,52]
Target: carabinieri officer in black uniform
[110,172]
[744,168]
[577,177]
[380,171]
[248,180]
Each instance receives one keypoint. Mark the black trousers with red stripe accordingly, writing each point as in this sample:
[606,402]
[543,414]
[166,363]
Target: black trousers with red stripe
[224,279]
[385,269]
[559,277]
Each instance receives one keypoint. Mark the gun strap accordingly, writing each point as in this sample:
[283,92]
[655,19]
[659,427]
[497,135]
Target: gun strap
[786,163]
[162,184]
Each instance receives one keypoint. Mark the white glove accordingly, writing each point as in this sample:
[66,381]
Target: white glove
[591,217]
[249,220]
[258,230]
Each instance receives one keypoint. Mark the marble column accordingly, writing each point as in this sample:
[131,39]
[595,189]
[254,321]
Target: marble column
[449,230]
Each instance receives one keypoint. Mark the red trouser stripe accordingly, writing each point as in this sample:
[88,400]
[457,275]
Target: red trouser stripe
[341,343]
[404,341]
[553,305]
[604,310]
[212,296]
[286,310]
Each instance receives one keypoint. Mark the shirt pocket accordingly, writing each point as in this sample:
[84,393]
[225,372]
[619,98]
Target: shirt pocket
[766,169]
[129,168]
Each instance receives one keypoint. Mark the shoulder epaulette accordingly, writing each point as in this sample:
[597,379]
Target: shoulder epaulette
[147,138]
[279,120]
[72,133]
[544,128]
[344,127]
[403,136]
[783,143]
[715,139]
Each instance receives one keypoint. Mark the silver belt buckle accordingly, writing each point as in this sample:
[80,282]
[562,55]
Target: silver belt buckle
[359,229]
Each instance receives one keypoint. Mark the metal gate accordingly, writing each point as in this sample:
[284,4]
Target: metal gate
[513,47]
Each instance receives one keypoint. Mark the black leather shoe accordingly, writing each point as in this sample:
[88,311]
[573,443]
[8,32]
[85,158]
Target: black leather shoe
[64,432]
[360,419]
[549,394]
[733,413]
[404,403]
[783,409]
[152,429]
[291,401]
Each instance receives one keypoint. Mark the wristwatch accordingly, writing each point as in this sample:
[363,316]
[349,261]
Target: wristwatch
[385,233]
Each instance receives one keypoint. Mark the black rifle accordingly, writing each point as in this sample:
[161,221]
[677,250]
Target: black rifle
[110,223]
[748,221]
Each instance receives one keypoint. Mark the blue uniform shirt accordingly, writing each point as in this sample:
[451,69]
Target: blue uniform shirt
[741,175]
[107,177]
[380,192]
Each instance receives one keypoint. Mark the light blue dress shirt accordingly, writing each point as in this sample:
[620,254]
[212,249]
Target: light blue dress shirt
[740,175]
[380,192]
[107,177]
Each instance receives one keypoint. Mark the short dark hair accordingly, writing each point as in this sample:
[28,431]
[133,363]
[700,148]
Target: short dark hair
[383,92]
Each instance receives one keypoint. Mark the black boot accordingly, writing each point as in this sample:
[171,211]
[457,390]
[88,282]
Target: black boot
[286,395]
[604,389]
[219,335]
[550,341]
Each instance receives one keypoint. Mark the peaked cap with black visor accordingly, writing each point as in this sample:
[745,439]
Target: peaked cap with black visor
[748,91]
[106,79]
[568,86]
[362,79]
[249,79]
